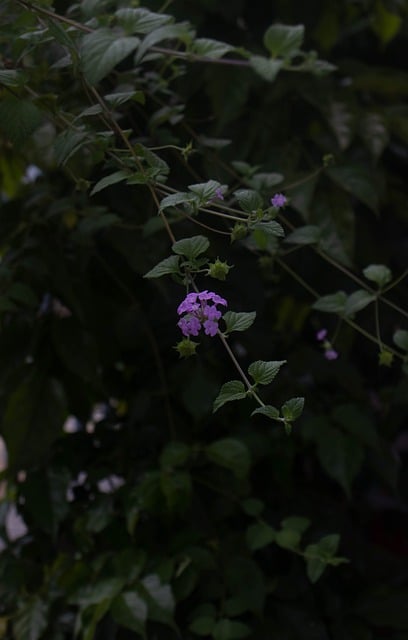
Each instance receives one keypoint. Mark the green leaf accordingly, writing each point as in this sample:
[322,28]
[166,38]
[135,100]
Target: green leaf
[288,538]
[205,191]
[400,338]
[11,77]
[175,454]
[191,248]
[265,67]
[238,321]
[264,181]
[180,31]
[231,454]
[226,629]
[358,181]
[263,372]
[358,301]
[293,408]
[141,20]
[373,130]
[103,589]
[102,50]
[259,535]
[328,545]
[284,41]
[341,456]
[271,228]
[202,626]
[165,267]
[113,178]
[19,118]
[31,620]
[332,303]
[68,143]
[308,234]
[314,566]
[384,23]
[130,610]
[233,390]
[178,198]
[249,200]
[159,598]
[209,48]
[296,523]
[268,410]
[378,273]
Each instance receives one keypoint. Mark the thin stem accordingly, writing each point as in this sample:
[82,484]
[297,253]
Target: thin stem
[239,368]
[377,324]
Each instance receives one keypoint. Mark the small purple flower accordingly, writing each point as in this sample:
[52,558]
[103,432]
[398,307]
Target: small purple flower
[200,310]
[279,200]
[219,194]
[331,354]
[321,335]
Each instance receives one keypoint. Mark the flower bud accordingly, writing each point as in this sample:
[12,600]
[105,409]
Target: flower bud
[186,348]
[218,270]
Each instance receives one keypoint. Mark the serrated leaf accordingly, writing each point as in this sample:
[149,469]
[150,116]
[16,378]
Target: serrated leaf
[130,610]
[249,200]
[238,321]
[378,273]
[141,20]
[102,50]
[231,454]
[205,191]
[264,181]
[233,390]
[271,228]
[341,456]
[328,545]
[259,535]
[358,301]
[191,248]
[165,267]
[107,181]
[309,234]
[209,48]
[283,40]
[332,303]
[400,338]
[176,199]
[293,408]
[268,410]
[263,372]
[267,68]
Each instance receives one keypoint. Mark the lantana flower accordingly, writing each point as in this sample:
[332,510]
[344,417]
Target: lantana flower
[279,200]
[199,310]
[329,352]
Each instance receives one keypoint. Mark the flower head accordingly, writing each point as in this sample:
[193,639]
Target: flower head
[331,354]
[219,194]
[321,335]
[279,200]
[199,310]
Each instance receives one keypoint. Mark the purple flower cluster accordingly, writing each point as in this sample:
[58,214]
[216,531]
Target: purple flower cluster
[279,200]
[329,352]
[200,310]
